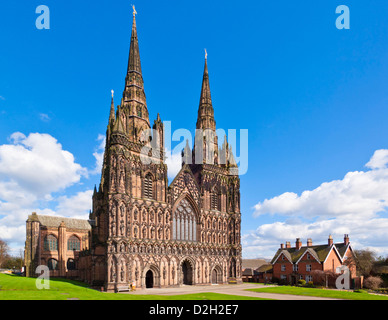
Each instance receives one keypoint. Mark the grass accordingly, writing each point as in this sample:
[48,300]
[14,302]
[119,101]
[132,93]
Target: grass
[324,293]
[21,288]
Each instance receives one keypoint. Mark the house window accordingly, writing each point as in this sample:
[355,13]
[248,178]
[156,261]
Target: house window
[50,243]
[295,267]
[73,244]
[148,186]
[308,256]
[309,278]
[52,264]
[300,276]
[308,267]
[283,268]
[283,277]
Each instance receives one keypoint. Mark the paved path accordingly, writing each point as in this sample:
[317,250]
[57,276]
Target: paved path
[233,289]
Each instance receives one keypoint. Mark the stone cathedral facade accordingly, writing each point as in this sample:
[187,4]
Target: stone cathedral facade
[147,231]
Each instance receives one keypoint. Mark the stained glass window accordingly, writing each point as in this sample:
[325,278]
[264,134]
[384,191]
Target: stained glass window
[50,243]
[73,243]
[184,222]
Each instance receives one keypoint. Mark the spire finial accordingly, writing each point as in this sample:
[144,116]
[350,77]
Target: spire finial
[205,54]
[134,10]
[112,91]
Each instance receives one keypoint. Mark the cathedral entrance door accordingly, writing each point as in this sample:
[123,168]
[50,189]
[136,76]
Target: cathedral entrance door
[149,279]
[187,272]
[214,276]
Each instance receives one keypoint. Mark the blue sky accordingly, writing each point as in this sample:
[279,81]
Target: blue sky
[312,97]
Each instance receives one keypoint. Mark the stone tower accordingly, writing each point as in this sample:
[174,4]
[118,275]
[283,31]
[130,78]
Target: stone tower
[147,231]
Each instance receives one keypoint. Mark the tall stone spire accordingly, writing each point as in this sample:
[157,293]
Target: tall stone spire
[134,55]
[205,111]
[134,103]
[206,125]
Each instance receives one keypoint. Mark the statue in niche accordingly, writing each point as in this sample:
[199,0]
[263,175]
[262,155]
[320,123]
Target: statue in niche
[122,227]
[122,273]
[122,211]
[135,232]
[173,273]
[113,230]
[136,273]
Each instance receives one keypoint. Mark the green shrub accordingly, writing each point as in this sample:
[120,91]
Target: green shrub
[310,284]
[301,282]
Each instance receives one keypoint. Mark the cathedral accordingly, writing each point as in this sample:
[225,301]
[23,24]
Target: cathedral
[141,228]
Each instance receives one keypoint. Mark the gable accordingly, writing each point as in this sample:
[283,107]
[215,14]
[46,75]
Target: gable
[185,182]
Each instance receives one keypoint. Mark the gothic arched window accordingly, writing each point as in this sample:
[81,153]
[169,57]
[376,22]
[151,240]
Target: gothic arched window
[52,264]
[184,226]
[73,244]
[148,186]
[50,243]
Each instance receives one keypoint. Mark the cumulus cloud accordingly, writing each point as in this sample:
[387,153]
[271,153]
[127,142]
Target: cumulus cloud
[355,205]
[33,169]
[77,206]
[360,195]
[37,164]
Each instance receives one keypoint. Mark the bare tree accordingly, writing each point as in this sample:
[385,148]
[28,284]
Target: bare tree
[4,249]
[364,260]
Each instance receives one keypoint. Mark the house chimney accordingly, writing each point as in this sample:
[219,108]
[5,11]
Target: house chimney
[298,244]
[282,246]
[309,242]
[330,240]
[346,239]
[288,244]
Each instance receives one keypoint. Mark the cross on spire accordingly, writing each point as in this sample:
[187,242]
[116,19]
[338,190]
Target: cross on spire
[134,10]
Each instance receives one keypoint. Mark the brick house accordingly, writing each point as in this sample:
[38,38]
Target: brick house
[291,264]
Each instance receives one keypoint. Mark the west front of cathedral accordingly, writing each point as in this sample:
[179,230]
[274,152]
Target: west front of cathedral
[140,228]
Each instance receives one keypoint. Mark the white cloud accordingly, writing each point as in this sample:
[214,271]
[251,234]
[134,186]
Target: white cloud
[174,163]
[76,206]
[38,165]
[99,154]
[360,195]
[355,205]
[44,117]
[32,169]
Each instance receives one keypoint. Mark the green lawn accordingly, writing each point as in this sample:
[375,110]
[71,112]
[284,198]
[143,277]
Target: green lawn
[21,288]
[325,293]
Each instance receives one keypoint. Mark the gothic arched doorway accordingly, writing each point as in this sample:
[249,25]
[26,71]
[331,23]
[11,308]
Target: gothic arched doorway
[214,276]
[149,279]
[187,273]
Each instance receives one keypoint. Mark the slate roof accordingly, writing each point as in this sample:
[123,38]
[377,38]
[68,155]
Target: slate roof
[54,222]
[253,263]
[320,252]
